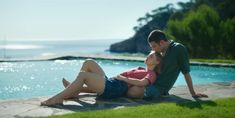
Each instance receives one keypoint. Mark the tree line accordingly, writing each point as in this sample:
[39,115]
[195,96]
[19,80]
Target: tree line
[205,27]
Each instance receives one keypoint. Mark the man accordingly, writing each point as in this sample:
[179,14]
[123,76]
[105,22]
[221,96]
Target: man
[175,60]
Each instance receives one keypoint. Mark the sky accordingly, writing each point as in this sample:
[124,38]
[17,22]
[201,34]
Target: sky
[72,19]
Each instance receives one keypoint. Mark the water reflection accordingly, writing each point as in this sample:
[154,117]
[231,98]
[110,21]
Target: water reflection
[43,78]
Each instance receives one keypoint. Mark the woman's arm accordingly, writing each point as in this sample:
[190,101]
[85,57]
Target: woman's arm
[133,81]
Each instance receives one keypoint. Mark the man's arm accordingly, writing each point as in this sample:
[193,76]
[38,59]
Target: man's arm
[133,81]
[189,82]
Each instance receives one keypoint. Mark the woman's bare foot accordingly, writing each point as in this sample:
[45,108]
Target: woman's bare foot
[52,101]
[65,82]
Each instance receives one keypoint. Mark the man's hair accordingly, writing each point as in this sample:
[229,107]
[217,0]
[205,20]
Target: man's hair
[156,36]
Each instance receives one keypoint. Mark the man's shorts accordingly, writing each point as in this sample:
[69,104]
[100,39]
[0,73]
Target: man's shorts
[150,92]
[113,89]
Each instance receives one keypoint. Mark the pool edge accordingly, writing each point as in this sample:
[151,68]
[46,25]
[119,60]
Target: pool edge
[109,57]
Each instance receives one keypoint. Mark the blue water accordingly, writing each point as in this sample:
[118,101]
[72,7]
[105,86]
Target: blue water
[36,49]
[43,78]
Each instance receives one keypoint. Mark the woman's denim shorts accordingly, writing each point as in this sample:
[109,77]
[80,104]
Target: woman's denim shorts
[113,89]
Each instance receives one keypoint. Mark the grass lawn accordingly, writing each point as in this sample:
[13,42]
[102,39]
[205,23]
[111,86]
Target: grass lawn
[221,108]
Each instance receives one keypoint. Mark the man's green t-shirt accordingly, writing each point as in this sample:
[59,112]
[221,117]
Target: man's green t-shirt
[176,60]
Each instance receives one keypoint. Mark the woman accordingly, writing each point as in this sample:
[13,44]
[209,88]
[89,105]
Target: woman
[96,81]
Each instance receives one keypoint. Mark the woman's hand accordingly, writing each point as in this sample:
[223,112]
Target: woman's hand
[133,81]
[120,77]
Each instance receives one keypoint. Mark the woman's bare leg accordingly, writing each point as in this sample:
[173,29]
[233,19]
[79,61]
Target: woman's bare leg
[84,89]
[94,81]
[91,66]
[88,66]
[66,84]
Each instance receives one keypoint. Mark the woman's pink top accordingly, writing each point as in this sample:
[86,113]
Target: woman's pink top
[140,73]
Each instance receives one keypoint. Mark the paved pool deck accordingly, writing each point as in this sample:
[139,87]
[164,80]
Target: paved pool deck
[19,108]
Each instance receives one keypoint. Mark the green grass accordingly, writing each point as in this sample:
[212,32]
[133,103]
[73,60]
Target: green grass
[221,108]
[214,61]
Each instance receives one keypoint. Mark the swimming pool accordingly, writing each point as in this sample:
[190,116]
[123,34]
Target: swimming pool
[43,78]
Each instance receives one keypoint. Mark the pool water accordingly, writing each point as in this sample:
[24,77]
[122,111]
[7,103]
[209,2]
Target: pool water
[43,78]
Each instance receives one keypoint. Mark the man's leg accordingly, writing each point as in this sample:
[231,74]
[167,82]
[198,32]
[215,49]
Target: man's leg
[150,92]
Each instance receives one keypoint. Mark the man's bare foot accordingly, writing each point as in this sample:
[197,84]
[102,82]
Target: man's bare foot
[52,101]
[65,82]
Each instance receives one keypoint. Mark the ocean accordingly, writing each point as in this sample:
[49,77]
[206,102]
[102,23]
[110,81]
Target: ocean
[39,49]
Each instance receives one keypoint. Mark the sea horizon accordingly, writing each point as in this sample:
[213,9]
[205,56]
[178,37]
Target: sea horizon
[15,49]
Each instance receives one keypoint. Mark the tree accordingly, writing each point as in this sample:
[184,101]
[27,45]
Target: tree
[228,39]
[198,31]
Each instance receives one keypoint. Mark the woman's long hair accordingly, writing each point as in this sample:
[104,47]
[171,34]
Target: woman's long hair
[157,67]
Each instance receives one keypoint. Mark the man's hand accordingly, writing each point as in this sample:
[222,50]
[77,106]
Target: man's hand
[190,86]
[199,95]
